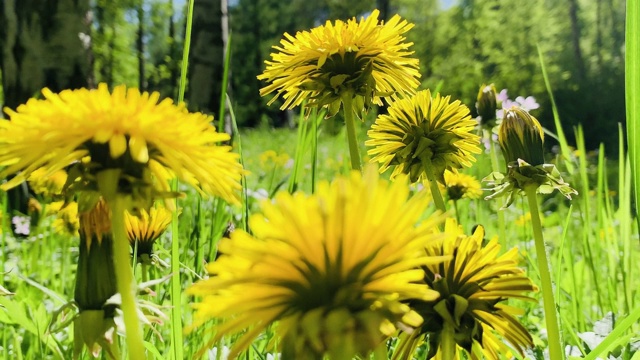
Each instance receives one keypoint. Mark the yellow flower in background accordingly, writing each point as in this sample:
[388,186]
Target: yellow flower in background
[331,268]
[421,134]
[470,312]
[459,185]
[146,228]
[367,59]
[523,220]
[66,222]
[47,184]
[123,130]
[270,159]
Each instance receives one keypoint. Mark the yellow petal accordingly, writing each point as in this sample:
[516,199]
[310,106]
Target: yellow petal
[139,150]
[117,145]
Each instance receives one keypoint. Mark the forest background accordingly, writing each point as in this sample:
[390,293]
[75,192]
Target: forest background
[75,43]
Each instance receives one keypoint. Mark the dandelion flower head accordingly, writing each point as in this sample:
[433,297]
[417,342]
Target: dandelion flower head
[126,130]
[66,222]
[459,185]
[331,268]
[47,185]
[470,312]
[367,60]
[146,228]
[421,134]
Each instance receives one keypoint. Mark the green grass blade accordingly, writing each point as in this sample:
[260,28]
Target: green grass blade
[185,53]
[225,82]
[612,339]
[177,339]
[243,179]
[564,147]
[632,89]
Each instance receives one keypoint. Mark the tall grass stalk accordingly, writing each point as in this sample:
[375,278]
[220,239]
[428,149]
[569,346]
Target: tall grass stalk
[243,179]
[306,141]
[632,90]
[564,146]
[616,337]
[586,206]
[177,342]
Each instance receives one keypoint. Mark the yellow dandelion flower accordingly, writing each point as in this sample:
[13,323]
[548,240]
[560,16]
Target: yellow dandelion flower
[459,185]
[523,220]
[332,268]
[125,130]
[146,228]
[47,184]
[270,160]
[424,134]
[95,223]
[366,60]
[470,312]
[66,222]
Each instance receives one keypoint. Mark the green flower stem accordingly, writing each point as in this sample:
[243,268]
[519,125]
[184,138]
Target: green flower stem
[455,208]
[145,271]
[493,152]
[433,185]
[550,313]
[124,278]
[350,120]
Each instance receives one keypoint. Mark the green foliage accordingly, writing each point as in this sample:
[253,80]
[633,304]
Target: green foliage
[113,41]
[465,45]
[632,84]
[163,48]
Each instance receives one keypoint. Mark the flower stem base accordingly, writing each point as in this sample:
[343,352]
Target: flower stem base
[550,311]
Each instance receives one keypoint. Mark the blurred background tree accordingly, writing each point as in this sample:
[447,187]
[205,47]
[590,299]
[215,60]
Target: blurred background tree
[461,44]
[44,44]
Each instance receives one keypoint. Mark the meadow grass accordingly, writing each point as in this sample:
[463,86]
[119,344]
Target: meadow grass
[591,240]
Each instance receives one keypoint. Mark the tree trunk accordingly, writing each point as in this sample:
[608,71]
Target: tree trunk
[174,70]
[575,39]
[44,43]
[224,10]
[142,85]
[384,7]
[206,57]
[42,46]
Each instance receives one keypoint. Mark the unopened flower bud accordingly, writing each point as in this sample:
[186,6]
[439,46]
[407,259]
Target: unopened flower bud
[486,103]
[521,137]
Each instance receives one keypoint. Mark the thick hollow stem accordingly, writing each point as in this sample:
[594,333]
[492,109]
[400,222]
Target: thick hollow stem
[352,138]
[550,312]
[124,278]
[433,185]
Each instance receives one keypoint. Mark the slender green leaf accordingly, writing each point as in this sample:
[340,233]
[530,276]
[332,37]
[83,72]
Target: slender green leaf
[564,147]
[632,90]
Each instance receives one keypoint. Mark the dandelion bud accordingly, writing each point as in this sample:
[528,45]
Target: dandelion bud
[521,137]
[487,103]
